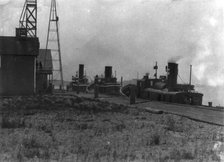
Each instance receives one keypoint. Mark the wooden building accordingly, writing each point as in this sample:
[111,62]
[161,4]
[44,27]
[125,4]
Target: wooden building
[18,65]
[44,66]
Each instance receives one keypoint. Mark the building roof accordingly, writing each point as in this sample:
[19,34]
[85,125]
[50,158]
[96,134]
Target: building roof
[45,59]
[18,46]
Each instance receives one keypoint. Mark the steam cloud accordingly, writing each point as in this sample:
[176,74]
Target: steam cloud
[209,58]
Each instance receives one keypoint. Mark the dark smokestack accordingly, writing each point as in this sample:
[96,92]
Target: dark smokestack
[81,71]
[108,71]
[172,76]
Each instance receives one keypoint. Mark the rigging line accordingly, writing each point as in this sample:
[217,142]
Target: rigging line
[181,78]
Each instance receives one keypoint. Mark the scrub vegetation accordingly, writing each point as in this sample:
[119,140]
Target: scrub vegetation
[76,129]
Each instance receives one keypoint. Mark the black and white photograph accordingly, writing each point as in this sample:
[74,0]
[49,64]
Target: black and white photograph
[111,80]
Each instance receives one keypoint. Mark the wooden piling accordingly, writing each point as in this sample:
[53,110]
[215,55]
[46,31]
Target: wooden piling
[132,95]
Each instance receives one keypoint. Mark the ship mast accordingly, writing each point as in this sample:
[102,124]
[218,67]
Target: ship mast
[156,68]
[190,74]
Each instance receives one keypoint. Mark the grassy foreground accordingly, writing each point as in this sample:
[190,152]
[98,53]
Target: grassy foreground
[69,128]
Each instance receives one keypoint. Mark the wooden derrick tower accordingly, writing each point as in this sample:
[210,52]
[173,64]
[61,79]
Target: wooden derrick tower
[28,20]
[53,43]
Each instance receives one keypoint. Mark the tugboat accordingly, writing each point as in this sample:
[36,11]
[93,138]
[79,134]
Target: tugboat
[165,88]
[79,82]
[108,84]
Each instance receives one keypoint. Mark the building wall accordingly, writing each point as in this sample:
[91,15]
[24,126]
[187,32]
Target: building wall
[41,83]
[17,75]
[0,74]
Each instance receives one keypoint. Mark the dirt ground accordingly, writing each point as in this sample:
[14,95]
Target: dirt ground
[76,129]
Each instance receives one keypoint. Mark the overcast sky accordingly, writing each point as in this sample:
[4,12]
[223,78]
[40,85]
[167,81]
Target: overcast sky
[131,35]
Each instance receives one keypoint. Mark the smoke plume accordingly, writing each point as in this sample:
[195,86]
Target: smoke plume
[175,59]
